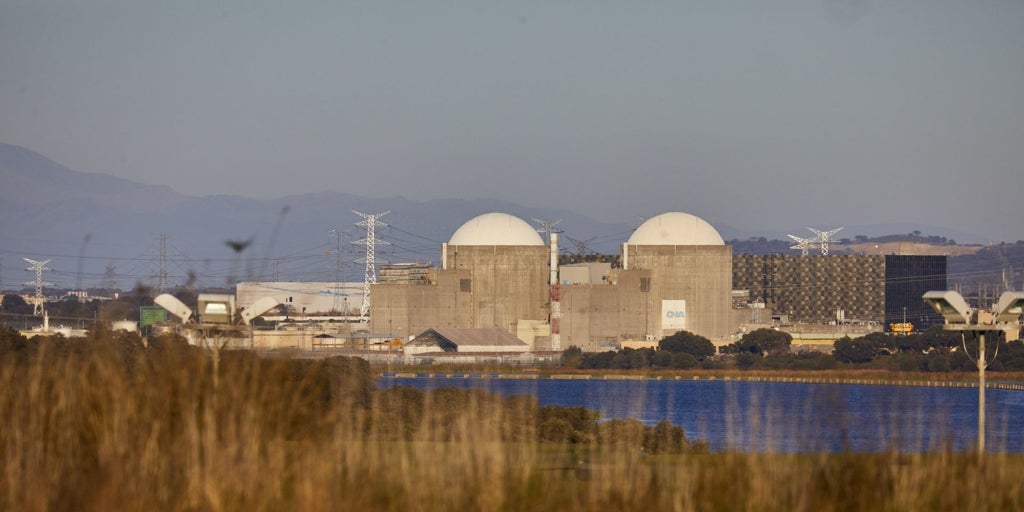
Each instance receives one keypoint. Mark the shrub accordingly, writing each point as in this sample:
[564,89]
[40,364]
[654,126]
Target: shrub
[746,360]
[572,356]
[666,438]
[689,343]
[938,363]
[857,350]
[662,359]
[566,424]
[683,361]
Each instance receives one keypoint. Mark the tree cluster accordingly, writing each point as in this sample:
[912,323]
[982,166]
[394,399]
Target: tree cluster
[761,342]
[681,350]
[934,350]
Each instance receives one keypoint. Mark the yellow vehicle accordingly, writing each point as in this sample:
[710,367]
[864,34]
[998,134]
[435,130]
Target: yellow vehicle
[902,329]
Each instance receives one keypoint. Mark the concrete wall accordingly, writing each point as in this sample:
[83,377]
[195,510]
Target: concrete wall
[499,286]
[408,310]
[509,283]
[596,317]
[584,273]
[483,286]
[297,339]
[701,275]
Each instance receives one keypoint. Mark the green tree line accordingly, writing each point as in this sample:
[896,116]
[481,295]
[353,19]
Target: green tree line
[934,350]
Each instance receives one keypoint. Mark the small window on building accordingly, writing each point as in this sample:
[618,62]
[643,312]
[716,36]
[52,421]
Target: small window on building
[466,285]
[645,284]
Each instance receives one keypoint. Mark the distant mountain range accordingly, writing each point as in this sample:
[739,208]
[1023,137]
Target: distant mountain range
[86,222]
[102,230]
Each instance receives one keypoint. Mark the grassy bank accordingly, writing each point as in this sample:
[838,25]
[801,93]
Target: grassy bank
[842,374]
[107,424]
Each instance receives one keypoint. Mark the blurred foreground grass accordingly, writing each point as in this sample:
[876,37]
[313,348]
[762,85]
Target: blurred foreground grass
[107,424]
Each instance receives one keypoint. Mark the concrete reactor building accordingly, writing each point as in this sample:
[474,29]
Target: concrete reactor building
[496,271]
[494,274]
[676,275]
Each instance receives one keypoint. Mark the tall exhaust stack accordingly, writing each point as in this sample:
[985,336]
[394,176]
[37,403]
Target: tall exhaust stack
[556,311]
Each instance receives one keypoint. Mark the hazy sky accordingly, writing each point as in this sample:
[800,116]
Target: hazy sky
[763,115]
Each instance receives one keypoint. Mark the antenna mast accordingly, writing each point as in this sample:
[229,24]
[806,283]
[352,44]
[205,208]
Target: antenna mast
[38,267]
[370,277]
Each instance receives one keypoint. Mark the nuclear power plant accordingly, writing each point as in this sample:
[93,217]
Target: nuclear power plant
[675,273]
[499,281]
[497,272]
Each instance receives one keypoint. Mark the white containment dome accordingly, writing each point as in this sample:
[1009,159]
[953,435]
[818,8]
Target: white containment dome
[675,228]
[496,229]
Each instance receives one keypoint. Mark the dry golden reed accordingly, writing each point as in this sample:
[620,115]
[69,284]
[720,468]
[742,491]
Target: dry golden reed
[107,424]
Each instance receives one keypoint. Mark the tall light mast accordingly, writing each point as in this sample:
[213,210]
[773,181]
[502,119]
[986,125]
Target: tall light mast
[370,221]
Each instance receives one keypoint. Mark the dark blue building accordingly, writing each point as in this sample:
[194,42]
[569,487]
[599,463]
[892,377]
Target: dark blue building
[907,278]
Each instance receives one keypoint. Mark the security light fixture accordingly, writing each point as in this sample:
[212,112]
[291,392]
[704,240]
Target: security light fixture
[214,308]
[174,306]
[950,305]
[258,308]
[1009,308]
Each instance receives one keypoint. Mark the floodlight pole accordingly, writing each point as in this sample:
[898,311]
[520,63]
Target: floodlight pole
[1003,316]
[981,392]
[982,362]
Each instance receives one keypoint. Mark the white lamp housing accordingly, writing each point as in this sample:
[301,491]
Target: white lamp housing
[258,308]
[1009,308]
[174,306]
[950,305]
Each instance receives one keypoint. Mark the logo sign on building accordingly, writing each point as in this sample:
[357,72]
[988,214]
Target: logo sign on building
[673,314]
[149,315]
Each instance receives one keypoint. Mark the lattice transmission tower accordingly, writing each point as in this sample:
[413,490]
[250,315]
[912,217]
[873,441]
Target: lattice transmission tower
[370,221]
[547,227]
[803,244]
[825,238]
[822,239]
[37,301]
[161,273]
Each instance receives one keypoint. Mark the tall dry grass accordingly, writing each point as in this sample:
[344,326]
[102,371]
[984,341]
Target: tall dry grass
[109,425]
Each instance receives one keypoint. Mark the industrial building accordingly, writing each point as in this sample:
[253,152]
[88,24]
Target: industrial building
[849,288]
[907,279]
[676,275]
[309,298]
[497,272]
[494,274]
[466,342]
